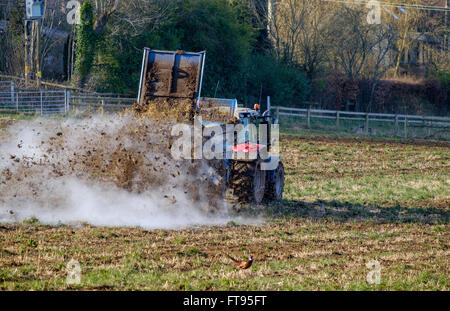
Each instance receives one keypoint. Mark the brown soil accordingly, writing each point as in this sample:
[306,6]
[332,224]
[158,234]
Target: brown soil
[210,111]
[129,151]
[362,140]
[164,109]
[313,160]
[169,103]
[5,123]
[315,255]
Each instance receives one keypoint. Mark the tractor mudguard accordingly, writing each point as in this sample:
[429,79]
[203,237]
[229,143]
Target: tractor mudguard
[270,164]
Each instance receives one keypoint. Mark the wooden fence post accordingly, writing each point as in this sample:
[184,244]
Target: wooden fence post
[366,128]
[68,94]
[406,127]
[308,117]
[12,93]
[396,125]
[337,119]
[42,105]
[65,100]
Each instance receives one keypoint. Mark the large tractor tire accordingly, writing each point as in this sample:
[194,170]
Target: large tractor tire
[248,182]
[275,185]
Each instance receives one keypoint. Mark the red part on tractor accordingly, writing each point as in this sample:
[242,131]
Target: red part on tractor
[248,148]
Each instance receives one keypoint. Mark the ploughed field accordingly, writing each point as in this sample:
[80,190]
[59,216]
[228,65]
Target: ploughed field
[347,201]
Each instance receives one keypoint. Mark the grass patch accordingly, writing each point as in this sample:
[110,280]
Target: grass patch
[348,201]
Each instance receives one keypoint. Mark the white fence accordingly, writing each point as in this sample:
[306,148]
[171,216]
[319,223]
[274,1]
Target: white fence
[104,101]
[7,86]
[51,102]
[36,102]
[400,122]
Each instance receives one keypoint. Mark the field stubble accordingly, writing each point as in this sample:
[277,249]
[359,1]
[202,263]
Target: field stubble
[347,201]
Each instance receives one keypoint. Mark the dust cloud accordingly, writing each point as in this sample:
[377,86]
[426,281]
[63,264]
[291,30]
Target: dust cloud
[112,170]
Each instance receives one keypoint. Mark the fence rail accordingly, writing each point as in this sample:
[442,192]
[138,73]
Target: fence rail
[64,101]
[102,102]
[399,121]
[51,102]
[7,86]
[39,102]
[110,102]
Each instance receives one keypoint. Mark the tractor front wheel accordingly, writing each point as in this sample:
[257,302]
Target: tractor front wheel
[275,186]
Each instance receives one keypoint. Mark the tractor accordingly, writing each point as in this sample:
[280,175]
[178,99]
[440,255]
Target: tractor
[175,78]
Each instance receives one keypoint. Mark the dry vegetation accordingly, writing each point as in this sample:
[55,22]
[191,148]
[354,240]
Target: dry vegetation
[347,201]
[368,172]
[295,254]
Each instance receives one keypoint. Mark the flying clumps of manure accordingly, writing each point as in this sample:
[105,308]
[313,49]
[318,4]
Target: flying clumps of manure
[105,170]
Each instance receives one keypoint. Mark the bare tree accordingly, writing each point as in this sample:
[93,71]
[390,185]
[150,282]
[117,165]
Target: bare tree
[407,25]
[104,9]
[12,45]
[351,41]
[362,50]
[383,39]
[136,15]
[285,21]
[315,36]
[298,30]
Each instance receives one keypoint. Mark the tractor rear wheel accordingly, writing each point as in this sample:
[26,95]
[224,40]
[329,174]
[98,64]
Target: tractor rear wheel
[275,186]
[248,182]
